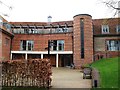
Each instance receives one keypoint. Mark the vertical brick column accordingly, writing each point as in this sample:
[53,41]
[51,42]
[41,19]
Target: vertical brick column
[87,39]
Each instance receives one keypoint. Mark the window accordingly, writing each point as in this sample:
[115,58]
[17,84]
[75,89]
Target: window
[30,30]
[82,36]
[60,44]
[54,45]
[105,29]
[7,26]
[118,28]
[65,29]
[7,41]
[21,30]
[113,45]
[26,45]
[59,30]
[1,22]
[57,45]
[26,31]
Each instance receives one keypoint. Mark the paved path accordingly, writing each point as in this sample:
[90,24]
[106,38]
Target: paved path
[69,78]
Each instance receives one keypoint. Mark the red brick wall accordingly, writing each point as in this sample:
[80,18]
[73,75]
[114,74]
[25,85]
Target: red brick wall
[5,35]
[5,47]
[105,54]
[72,40]
[88,40]
[41,41]
[100,48]
[111,22]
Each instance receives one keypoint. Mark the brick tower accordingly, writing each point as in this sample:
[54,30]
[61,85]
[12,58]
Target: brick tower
[83,39]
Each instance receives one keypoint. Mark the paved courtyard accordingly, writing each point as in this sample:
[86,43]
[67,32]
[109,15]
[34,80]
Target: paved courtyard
[69,78]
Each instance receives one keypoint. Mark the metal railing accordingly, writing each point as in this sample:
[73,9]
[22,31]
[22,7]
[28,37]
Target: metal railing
[41,31]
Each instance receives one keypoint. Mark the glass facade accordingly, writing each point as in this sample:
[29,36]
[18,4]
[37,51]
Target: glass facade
[41,30]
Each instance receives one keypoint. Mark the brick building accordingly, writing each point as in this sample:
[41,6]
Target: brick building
[79,41]
[5,39]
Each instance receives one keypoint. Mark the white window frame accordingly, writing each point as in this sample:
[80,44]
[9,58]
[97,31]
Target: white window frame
[57,45]
[118,28]
[8,26]
[113,46]
[1,22]
[27,41]
[106,28]
[32,43]
[62,45]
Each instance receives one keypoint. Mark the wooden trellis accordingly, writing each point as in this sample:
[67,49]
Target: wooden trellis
[35,72]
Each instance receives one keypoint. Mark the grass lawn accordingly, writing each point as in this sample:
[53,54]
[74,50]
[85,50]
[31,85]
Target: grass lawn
[108,69]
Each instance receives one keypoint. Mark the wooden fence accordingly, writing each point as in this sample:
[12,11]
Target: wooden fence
[35,72]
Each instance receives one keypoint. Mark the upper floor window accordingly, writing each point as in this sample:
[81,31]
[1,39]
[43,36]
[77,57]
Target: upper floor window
[60,44]
[65,29]
[59,30]
[105,29]
[43,30]
[1,22]
[118,28]
[7,26]
[57,45]
[26,45]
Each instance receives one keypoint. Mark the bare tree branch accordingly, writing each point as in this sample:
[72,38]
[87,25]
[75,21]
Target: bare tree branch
[111,4]
[115,13]
[10,7]
[114,5]
[4,14]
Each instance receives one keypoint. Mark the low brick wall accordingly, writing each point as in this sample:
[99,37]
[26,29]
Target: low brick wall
[95,78]
[35,72]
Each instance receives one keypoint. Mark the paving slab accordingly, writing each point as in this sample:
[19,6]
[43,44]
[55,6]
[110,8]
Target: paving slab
[69,78]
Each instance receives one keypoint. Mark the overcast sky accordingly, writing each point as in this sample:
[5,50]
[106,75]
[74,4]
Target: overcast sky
[60,10]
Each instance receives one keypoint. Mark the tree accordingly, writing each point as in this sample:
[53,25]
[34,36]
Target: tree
[114,5]
[9,7]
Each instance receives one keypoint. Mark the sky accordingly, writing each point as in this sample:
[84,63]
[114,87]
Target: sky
[60,10]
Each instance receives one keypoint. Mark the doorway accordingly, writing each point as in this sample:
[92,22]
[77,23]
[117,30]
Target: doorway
[66,60]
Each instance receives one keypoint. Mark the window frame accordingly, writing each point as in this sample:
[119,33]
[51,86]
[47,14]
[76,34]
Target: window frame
[82,38]
[105,29]
[55,46]
[1,22]
[26,46]
[113,45]
[60,47]
[118,28]
[7,41]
